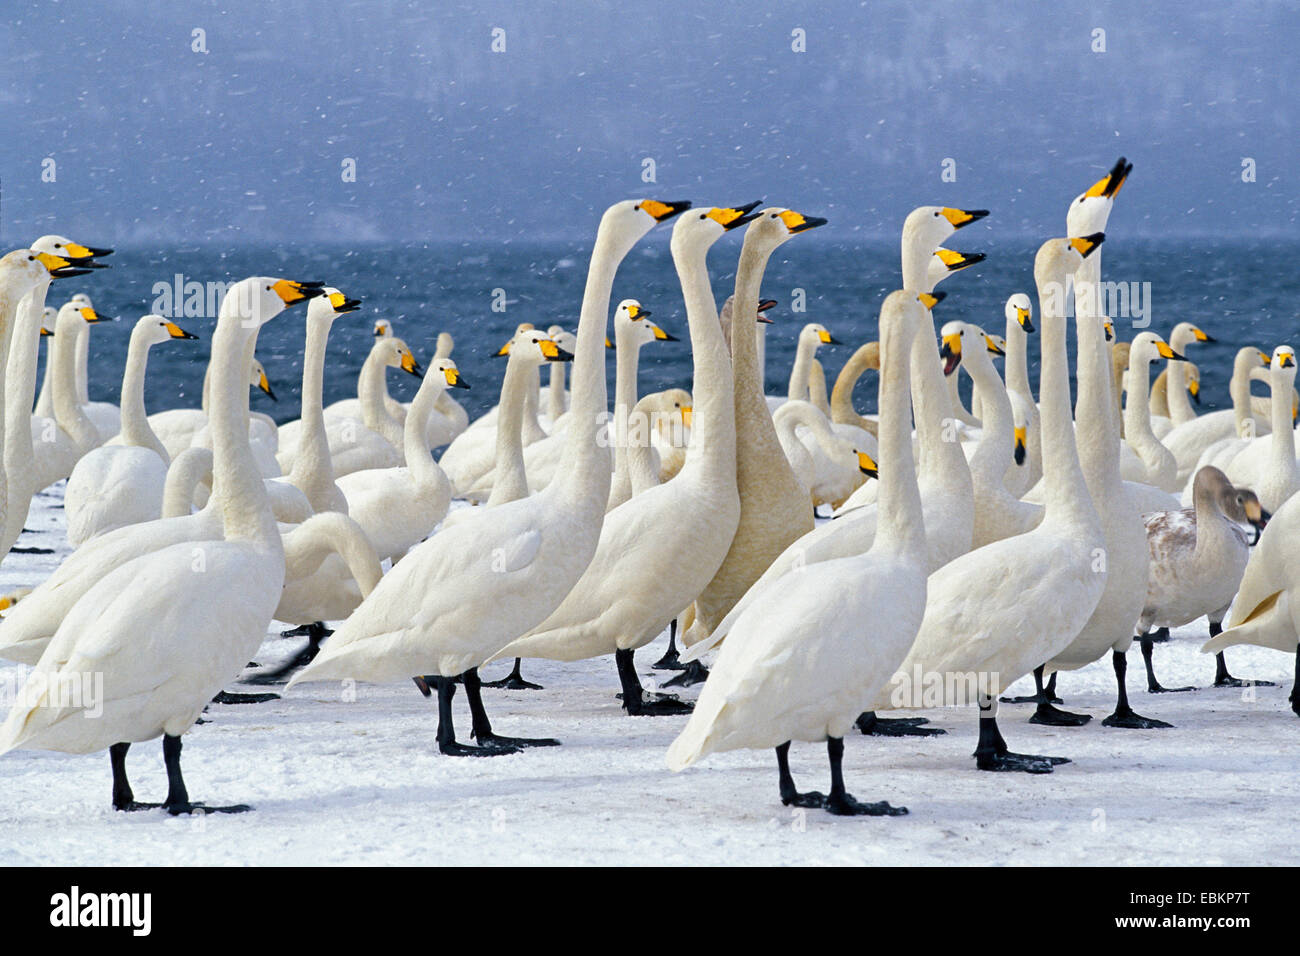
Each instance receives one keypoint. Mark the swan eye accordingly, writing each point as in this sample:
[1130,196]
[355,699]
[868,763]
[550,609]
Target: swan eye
[704,215]
[58,245]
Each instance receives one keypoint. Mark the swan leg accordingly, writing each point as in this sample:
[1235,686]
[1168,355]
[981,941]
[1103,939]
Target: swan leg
[635,700]
[670,661]
[1221,676]
[447,743]
[1295,688]
[871,725]
[1154,686]
[991,752]
[1043,693]
[1160,635]
[1045,713]
[316,632]
[481,728]
[178,798]
[694,673]
[513,681]
[790,796]
[841,802]
[1124,715]
[123,797]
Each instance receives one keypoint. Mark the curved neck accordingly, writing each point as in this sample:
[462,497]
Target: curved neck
[1137,411]
[842,410]
[188,470]
[415,443]
[135,423]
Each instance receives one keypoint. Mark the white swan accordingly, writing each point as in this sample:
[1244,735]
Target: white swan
[60,441]
[459,597]
[1268,465]
[1020,477]
[1157,464]
[400,507]
[672,539]
[632,331]
[829,467]
[176,428]
[166,638]
[1190,440]
[805,659]
[997,612]
[122,483]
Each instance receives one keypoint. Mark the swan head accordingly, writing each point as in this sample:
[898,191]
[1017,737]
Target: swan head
[1282,368]
[926,227]
[332,303]
[775,224]
[445,370]
[1089,210]
[381,328]
[814,334]
[866,464]
[532,347]
[258,299]
[49,316]
[1239,505]
[76,314]
[1058,258]
[26,269]
[1020,309]
[77,260]
[562,337]
[694,233]
[667,412]
[520,329]
[156,329]
[1185,334]
[631,325]
[394,353]
[1147,347]
[623,224]
[962,338]
[257,379]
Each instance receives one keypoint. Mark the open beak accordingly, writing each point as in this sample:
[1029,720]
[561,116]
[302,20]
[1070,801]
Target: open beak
[730,217]
[763,306]
[1085,245]
[663,211]
[798,222]
[950,352]
[291,293]
[867,466]
[176,332]
[1019,453]
[59,267]
[963,217]
[454,379]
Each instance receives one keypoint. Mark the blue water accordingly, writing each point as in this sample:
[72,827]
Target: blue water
[1240,292]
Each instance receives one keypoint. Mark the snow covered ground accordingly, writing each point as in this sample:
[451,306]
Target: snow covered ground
[339,781]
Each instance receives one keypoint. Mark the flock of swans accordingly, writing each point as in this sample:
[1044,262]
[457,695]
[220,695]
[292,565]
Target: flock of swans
[1021,535]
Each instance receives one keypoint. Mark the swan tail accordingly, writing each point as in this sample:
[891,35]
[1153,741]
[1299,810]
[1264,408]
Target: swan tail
[697,739]
[1268,624]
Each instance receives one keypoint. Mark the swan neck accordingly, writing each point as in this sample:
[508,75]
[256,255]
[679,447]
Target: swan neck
[713,429]
[899,525]
[135,423]
[236,481]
